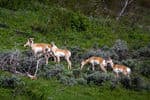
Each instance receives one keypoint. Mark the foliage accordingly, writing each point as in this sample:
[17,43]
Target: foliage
[11,82]
[98,78]
[67,81]
[145,69]
[121,49]
[131,63]
[142,52]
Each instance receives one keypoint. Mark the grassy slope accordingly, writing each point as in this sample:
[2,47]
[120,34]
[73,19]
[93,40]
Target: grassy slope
[98,32]
[51,89]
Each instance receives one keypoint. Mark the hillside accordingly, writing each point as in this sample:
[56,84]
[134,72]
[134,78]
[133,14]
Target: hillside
[85,31]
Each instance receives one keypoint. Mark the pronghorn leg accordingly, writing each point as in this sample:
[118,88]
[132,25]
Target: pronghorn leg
[46,57]
[55,59]
[35,54]
[117,75]
[93,68]
[126,74]
[69,63]
[81,67]
[58,59]
[103,68]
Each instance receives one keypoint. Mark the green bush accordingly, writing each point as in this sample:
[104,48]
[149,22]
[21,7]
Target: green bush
[121,49]
[125,82]
[81,81]
[145,69]
[98,78]
[131,63]
[142,52]
[11,82]
[76,73]
[67,80]
[137,83]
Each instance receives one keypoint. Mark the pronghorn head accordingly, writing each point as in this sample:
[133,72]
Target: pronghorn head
[29,42]
[110,62]
[82,63]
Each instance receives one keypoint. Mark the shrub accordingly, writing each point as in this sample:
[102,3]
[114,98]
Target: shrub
[10,82]
[76,73]
[10,60]
[93,52]
[81,81]
[131,63]
[137,83]
[126,82]
[145,69]
[50,71]
[76,53]
[67,80]
[142,52]
[98,78]
[28,63]
[20,61]
[121,49]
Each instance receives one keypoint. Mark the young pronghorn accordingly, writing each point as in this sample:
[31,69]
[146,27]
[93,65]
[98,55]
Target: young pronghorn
[38,47]
[61,53]
[119,68]
[95,61]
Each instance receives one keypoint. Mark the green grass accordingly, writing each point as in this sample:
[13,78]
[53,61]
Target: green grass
[58,27]
[52,89]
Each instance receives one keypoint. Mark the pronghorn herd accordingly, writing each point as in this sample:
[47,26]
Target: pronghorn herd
[51,50]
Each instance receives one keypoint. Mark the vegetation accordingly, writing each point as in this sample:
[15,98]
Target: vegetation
[86,29]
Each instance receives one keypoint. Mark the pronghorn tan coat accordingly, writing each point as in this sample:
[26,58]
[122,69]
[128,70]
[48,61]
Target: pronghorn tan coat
[38,47]
[121,69]
[61,53]
[95,61]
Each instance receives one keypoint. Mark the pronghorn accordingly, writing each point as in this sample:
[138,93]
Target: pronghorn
[119,68]
[61,53]
[38,47]
[95,61]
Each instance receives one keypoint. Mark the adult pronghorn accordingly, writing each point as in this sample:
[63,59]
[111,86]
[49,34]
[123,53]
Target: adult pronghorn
[119,68]
[95,61]
[61,53]
[38,47]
